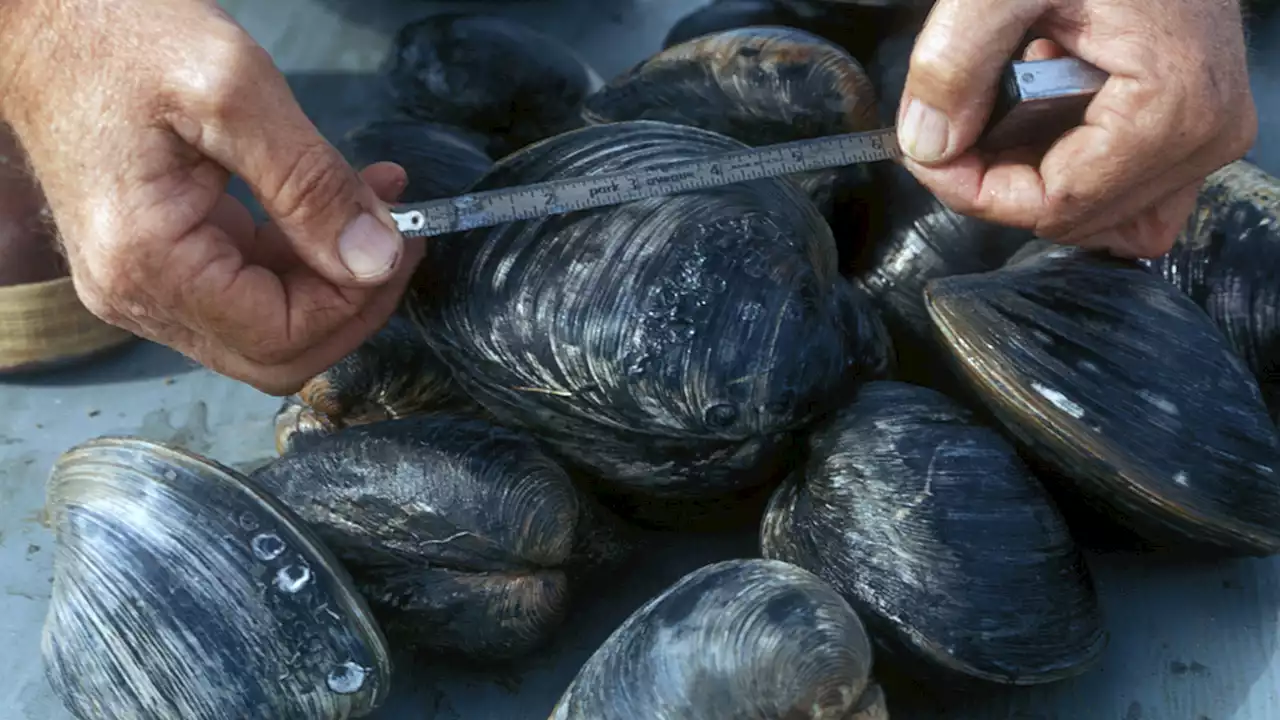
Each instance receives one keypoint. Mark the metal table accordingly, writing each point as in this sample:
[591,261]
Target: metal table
[1189,642]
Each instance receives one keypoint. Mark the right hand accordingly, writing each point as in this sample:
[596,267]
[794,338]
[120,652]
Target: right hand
[133,114]
[1175,107]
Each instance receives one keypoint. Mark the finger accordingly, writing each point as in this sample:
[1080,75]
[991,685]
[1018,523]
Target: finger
[1145,191]
[1007,190]
[241,112]
[1043,49]
[288,378]
[1133,144]
[230,307]
[275,253]
[954,70]
[387,179]
[1150,233]
[252,357]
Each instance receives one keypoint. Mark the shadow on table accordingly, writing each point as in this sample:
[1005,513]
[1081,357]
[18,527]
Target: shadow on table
[531,687]
[1206,631]
[1187,640]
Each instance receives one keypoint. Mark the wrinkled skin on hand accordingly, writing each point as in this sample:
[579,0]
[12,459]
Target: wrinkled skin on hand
[134,113]
[1176,107]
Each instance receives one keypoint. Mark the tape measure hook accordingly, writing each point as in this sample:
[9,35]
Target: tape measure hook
[410,220]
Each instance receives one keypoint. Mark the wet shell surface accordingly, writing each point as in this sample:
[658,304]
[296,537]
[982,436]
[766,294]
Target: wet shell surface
[857,30]
[922,240]
[462,535]
[1118,383]
[440,160]
[393,374]
[1227,260]
[760,85]
[729,15]
[667,347]
[941,539]
[735,640]
[490,75]
[182,590]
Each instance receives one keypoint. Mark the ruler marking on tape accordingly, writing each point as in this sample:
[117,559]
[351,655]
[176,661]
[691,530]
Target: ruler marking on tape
[1027,92]
[494,207]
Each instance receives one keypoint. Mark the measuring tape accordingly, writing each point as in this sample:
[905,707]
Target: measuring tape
[1035,100]
[494,207]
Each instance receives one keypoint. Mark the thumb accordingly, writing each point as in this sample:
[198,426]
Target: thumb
[333,221]
[955,67]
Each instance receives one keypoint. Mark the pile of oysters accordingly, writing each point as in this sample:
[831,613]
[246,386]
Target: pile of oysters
[924,418]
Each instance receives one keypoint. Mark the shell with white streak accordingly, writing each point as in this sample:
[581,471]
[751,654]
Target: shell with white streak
[182,590]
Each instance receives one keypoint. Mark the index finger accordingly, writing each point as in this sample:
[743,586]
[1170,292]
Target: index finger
[274,326]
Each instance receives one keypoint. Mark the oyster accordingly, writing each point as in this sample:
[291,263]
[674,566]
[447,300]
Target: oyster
[942,540]
[667,348]
[1227,260]
[759,85]
[440,160]
[923,239]
[1125,392]
[393,374]
[729,15]
[463,535]
[490,75]
[735,640]
[182,590]
[856,29]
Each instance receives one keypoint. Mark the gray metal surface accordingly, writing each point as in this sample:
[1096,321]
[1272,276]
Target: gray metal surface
[1189,642]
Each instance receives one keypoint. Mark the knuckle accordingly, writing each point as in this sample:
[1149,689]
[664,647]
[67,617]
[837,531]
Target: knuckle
[937,70]
[311,181]
[276,386]
[225,62]
[1061,216]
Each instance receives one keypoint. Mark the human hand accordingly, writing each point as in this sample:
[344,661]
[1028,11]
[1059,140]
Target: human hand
[1176,107]
[133,115]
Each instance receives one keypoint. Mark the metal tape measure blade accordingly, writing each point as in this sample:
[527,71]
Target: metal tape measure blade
[503,205]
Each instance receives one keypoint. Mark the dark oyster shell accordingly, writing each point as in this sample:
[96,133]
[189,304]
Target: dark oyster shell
[1118,383]
[668,347]
[760,85]
[463,535]
[488,74]
[393,374]
[182,590]
[857,29]
[941,538]
[1228,261]
[922,240]
[736,640]
[440,160]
